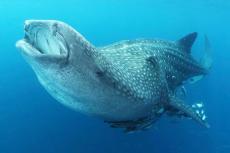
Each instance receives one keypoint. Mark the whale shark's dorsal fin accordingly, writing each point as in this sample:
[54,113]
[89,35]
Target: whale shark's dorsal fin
[187,41]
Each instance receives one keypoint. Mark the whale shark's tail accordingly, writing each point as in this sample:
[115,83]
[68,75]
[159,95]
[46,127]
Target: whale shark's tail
[206,61]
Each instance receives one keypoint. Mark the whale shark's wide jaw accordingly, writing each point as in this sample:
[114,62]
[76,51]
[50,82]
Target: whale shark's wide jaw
[43,39]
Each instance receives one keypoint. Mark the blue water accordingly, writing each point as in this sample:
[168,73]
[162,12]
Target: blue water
[31,121]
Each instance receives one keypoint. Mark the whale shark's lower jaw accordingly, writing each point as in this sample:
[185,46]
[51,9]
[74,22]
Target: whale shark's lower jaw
[43,39]
[27,48]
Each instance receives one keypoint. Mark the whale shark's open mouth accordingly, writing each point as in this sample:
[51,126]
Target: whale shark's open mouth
[43,39]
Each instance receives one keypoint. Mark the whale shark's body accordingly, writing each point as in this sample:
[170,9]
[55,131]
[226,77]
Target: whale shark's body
[129,84]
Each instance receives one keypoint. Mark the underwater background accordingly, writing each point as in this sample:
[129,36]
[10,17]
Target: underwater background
[31,121]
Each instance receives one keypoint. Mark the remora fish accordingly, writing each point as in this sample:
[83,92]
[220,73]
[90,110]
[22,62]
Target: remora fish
[128,84]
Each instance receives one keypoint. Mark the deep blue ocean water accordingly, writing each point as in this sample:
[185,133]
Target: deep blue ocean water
[31,121]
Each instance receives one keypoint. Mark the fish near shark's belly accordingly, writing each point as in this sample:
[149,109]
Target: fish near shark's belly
[101,102]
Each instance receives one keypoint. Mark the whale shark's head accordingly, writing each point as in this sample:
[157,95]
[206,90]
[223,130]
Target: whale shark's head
[59,55]
[44,43]
[50,42]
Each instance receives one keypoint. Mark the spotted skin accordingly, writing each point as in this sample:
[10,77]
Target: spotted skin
[127,64]
[129,84]
[133,73]
[128,57]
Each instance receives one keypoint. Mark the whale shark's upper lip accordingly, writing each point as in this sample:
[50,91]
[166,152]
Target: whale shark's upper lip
[42,39]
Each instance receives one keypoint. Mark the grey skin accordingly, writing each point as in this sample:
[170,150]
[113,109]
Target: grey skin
[129,84]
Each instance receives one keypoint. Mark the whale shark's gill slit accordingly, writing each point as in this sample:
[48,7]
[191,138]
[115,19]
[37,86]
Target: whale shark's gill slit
[26,36]
[61,51]
[35,42]
[64,45]
[47,41]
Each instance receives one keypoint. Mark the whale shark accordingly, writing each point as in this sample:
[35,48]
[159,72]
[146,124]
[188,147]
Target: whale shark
[129,84]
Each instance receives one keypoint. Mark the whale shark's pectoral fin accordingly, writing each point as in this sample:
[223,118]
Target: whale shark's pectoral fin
[179,108]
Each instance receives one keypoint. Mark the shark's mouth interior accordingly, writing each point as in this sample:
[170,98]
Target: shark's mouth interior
[46,41]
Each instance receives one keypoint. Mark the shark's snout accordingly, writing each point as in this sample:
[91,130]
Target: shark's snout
[43,38]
